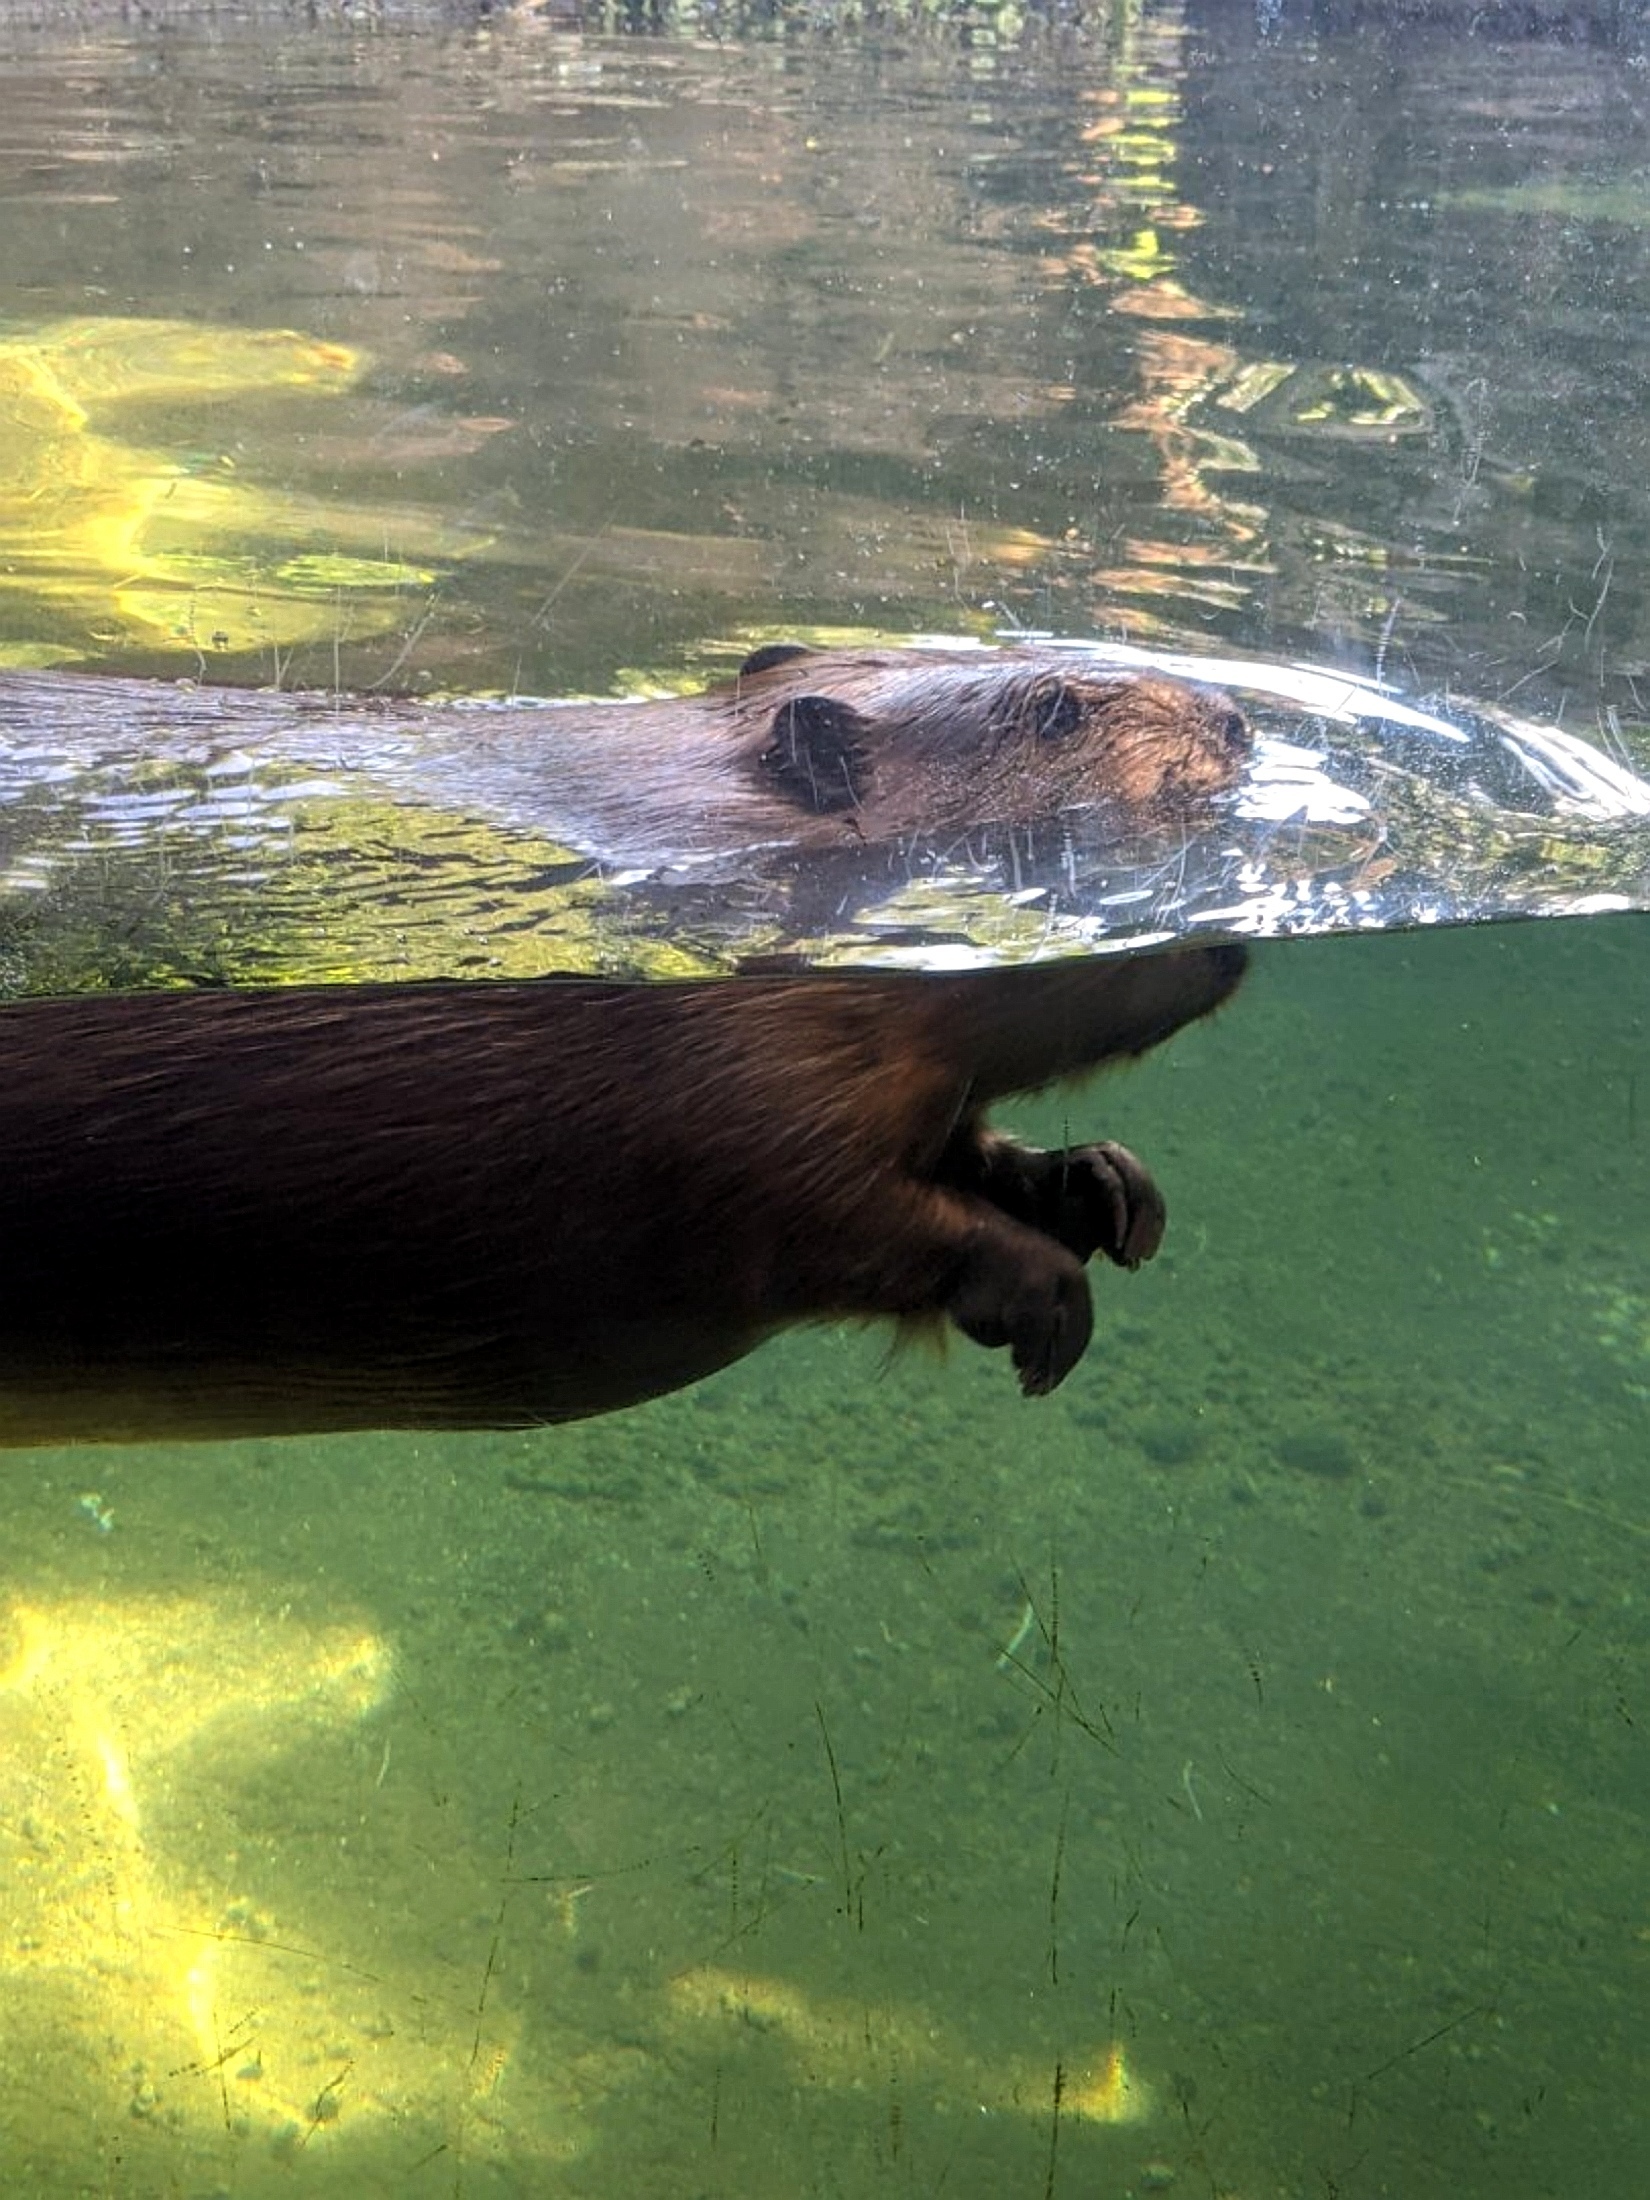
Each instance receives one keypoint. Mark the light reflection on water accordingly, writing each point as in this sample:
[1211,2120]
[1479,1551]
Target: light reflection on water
[683,1820]
[884,331]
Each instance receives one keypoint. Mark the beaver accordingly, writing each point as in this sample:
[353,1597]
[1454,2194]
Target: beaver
[886,744]
[804,749]
[497,1204]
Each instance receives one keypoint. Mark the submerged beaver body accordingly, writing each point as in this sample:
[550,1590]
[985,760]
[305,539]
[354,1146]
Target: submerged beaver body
[492,1205]
[814,750]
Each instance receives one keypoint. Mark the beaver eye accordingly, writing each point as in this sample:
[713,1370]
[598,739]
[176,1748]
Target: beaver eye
[1056,712]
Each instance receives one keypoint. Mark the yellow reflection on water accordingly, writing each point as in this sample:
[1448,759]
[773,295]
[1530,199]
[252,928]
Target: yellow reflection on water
[108,539]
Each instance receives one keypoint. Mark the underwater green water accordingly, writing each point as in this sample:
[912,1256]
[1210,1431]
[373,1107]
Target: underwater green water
[770,1790]
[1226,1777]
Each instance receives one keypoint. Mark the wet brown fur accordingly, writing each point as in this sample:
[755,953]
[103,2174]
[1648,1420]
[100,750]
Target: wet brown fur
[946,741]
[812,749]
[444,1206]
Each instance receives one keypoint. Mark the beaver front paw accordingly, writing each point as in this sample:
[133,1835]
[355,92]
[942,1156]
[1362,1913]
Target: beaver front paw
[1024,1291]
[1090,1199]
[1103,1199]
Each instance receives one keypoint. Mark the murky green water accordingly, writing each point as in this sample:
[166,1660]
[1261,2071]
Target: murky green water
[806,1784]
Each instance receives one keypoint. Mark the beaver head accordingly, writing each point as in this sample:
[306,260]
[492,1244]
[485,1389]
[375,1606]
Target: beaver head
[909,741]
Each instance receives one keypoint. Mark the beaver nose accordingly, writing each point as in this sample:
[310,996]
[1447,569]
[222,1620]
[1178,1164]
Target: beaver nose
[1234,732]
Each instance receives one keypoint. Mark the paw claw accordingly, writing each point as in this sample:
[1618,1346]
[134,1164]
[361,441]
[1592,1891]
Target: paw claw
[1123,1207]
[1031,1295]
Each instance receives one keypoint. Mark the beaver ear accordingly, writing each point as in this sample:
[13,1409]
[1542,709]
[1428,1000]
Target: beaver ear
[1236,735]
[769,655]
[1056,709]
[818,754]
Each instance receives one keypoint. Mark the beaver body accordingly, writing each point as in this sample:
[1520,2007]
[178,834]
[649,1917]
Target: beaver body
[499,1204]
[804,749]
